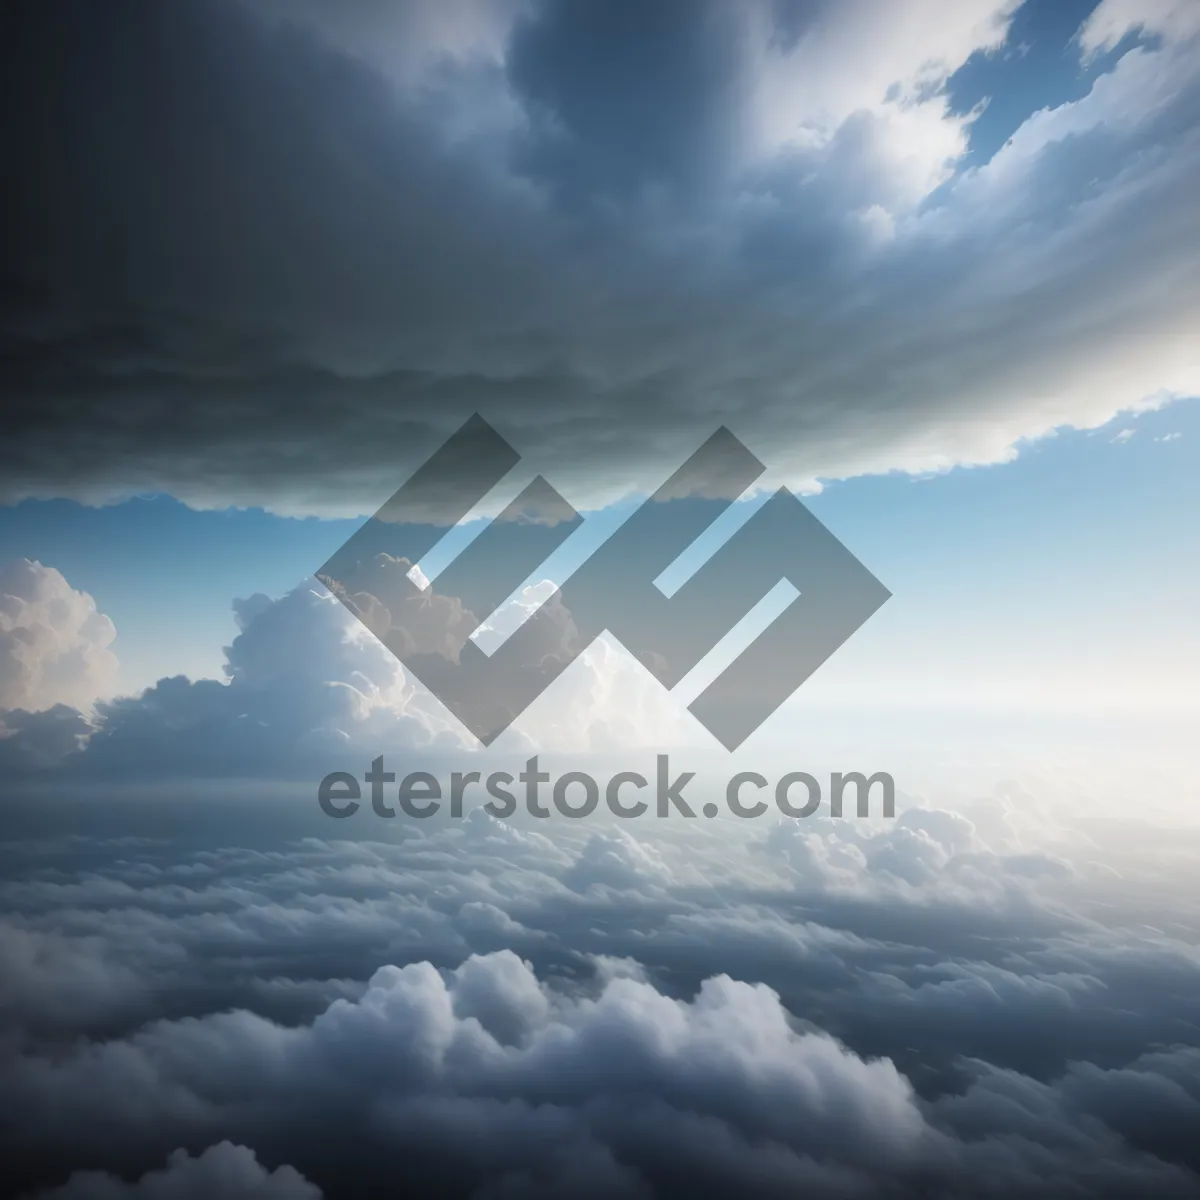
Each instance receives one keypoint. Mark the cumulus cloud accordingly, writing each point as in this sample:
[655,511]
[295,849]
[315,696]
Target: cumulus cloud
[54,645]
[302,679]
[31,741]
[606,229]
[305,682]
[481,1076]
[487,1060]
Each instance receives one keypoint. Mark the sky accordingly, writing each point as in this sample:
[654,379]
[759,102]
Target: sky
[1080,552]
[936,266]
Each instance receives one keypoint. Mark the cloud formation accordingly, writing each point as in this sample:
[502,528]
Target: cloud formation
[54,645]
[305,683]
[489,1008]
[488,1082]
[278,250]
[301,244]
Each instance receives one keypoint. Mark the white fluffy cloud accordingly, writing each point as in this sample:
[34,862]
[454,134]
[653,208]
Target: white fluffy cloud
[305,681]
[54,645]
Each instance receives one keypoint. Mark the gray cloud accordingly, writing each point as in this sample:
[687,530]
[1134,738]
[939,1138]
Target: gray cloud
[473,1074]
[498,1009]
[276,262]
[34,741]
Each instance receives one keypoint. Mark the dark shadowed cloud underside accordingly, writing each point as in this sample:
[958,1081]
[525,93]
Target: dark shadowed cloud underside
[264,253]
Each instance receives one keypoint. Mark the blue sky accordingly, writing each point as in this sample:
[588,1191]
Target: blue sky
[1039,67]
[1078,556]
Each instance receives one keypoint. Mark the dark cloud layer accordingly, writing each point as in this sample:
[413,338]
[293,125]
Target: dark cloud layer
[265,254]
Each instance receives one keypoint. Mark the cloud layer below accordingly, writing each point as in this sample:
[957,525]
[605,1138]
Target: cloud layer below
[946,1002]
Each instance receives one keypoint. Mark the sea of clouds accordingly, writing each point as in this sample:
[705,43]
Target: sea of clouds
[210,988]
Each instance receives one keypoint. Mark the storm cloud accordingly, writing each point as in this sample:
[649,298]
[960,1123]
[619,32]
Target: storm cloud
[272,254]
